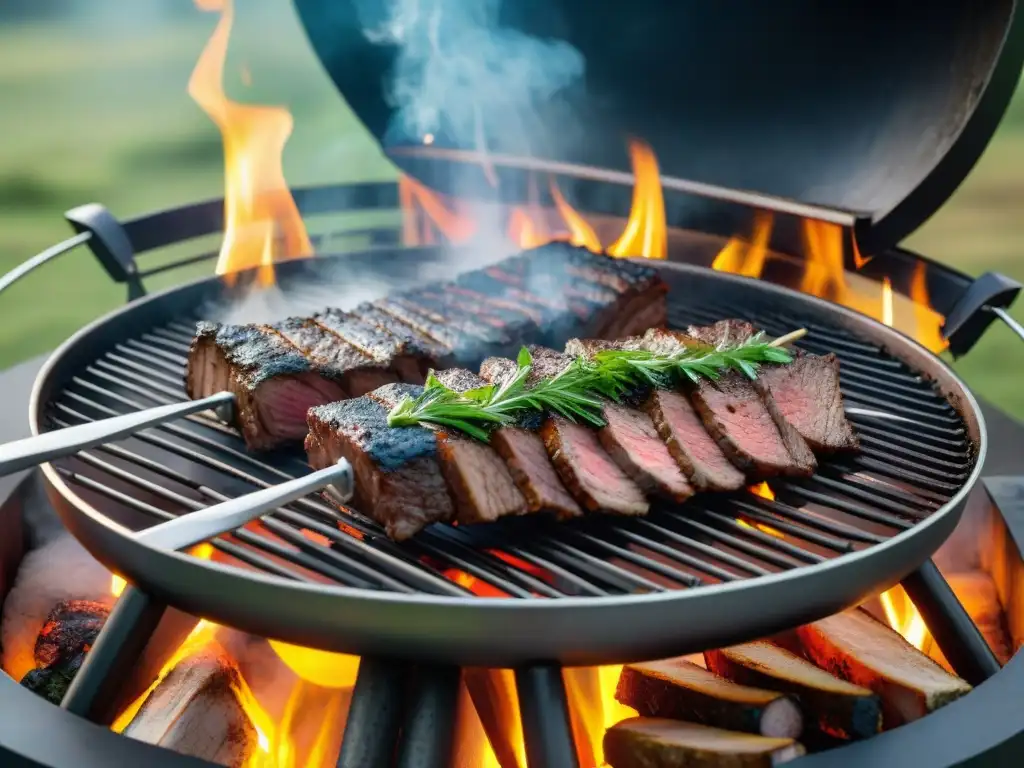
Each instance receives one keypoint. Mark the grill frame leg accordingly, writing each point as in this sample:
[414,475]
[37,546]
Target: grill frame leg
[375,715]
[950,626]
[428,734]
[544,712]
[127,631]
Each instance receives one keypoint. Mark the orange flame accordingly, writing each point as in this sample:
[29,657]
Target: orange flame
[645,234]
[580,231]
[929,322]
[527,229]
[903,616]
[262,224]
[747,257]
[763,490]
[422,208]
[886,301]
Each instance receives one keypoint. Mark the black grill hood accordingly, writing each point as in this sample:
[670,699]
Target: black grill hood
[877,107]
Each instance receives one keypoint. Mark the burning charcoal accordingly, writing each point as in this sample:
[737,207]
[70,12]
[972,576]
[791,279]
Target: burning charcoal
[647,742]
[677,689]
[867,653]
[807,394]
[67,635]
[197,710]
[838,707]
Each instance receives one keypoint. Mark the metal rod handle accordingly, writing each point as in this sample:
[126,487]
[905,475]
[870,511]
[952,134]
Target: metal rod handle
[1007,318]
[31,451]
[205,524]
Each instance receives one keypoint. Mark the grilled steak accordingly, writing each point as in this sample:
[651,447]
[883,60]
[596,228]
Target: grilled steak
[416,342]
[397,471]
[336,359]
[479,481]
[744,418]
[381,344]
[695,451]
[631,439]
[807,394]
[273,382]
[526,457]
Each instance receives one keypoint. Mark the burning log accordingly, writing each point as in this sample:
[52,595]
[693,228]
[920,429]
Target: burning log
[838,707]
[645,742]
[196,710]
[865,652]
[677,689]
[977,591]
[62,644]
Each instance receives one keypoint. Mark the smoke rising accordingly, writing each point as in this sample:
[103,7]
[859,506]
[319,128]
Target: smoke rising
[464,77]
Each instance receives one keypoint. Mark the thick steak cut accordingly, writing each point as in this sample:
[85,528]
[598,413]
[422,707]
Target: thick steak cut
[378,343]
[807,394]
[397,471]
[273,382]
[743,417]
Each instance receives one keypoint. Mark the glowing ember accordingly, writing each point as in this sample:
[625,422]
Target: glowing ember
[903,616]
[261,221]
[747,257]
[763,490]
[581,233]
[645,233]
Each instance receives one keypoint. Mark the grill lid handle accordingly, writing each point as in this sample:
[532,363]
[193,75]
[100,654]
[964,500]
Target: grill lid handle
[23,454]
[202,525]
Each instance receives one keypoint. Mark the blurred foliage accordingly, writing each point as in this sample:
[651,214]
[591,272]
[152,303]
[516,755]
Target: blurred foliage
[93,108]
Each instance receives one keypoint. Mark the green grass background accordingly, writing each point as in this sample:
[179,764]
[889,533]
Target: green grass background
[92,112]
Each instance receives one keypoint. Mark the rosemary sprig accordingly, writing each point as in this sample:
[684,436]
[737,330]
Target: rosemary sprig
[576,393]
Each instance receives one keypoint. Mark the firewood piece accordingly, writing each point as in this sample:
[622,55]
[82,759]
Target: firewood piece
[864,651]
[837,707]
[64,640]
[196,711]
[677,689]
[977,592]
[649,742]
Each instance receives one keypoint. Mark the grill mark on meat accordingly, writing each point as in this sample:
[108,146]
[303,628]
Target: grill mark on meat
[477,476]
[272,381]
[695,451]
[381,344]
[417,342]
[398,475]
[525,455]
[808,396]
[333,358]
[743,417]
[467,341]
[509,288]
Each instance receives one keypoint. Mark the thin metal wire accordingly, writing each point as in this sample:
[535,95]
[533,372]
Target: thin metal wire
[1010,321]
[40,259]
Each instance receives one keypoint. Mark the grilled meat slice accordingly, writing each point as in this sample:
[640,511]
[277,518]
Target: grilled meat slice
[744,418]
[397,471]
[333,358]
[273,382]
[695,451]
[630,437]
[383,345]
[807,394]
[526,457]
[448,299]
[480,482]
[468,341]
[418,343]
[589,473]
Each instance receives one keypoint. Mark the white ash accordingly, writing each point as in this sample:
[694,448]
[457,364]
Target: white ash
[60,569]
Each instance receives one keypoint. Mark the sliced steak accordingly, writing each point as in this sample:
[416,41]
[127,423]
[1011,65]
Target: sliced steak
[334,358]
[743,417]
[695,451]
[397,471]
[587,470]
[807,394]
[477,476]
[468,341]
[629,435]
[526,457]
[273,382]
[381,344]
